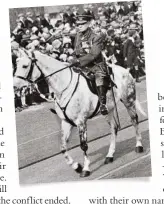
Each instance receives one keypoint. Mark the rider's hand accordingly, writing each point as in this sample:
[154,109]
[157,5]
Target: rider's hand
[76,69]
[74,62]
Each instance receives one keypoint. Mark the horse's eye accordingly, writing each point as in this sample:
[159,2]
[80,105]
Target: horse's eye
[25,66]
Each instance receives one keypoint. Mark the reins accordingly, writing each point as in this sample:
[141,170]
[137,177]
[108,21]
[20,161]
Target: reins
[51,73]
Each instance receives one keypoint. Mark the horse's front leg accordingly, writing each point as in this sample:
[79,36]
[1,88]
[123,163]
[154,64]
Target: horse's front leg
[66,131]
[82,128]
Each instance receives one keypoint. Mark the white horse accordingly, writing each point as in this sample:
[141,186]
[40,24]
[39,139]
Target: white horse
[75,103]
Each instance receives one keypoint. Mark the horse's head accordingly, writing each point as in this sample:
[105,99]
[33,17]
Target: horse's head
[26,70]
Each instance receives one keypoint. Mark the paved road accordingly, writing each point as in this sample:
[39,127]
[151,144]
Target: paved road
[127,162]
[36,143]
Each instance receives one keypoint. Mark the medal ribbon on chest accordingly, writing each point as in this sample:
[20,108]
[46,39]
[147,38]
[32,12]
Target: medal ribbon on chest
[86,46]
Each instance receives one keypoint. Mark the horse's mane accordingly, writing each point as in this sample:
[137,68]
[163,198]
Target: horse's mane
[50,61]
[47,60]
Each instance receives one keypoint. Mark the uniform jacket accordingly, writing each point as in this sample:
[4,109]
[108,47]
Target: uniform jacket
[88,49]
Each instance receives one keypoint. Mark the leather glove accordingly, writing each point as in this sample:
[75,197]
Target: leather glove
[76,69]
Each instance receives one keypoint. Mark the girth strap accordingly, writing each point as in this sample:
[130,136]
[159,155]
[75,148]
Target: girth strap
[65,107]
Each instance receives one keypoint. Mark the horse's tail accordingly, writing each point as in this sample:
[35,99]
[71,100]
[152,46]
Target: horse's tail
[139,108]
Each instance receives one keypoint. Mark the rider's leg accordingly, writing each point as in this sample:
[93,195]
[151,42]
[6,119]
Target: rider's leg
[102,90]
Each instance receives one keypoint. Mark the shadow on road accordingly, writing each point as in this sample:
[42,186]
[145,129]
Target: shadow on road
[122,148]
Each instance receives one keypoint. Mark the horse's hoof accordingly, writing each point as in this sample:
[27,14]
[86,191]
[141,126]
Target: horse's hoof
[85,174]
[139,149]
[79,168]
[108,160]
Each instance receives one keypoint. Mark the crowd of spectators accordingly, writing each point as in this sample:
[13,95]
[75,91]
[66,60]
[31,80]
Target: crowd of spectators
[55,35]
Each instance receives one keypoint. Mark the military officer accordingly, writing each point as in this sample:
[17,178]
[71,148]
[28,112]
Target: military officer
[88,56]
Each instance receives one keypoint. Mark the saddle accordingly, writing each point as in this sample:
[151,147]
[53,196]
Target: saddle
[90,79]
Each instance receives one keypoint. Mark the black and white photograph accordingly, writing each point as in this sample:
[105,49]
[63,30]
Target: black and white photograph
[80,95]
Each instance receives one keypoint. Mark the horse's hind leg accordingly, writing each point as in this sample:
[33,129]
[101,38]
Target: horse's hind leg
[129,100]
[114,129]
[134,118]
[82,128]
[66,131]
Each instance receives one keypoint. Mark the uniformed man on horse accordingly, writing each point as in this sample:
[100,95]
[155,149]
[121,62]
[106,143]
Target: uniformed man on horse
[88,56]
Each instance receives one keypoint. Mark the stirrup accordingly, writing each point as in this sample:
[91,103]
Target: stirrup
[103,109]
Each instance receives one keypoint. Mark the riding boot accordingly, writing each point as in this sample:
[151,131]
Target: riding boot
[102,90]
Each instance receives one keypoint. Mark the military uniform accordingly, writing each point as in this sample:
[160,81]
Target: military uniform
[88,47]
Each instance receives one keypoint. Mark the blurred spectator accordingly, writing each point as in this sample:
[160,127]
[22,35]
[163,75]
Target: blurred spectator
[129,52]
[107,11]
[38,21]
[74,14]
[21,19]
[88,10]
[90,7]
[18,36]
[134,6]
[46,21]
[25,39]
[29,22]
[14,50]
[45,34]
[53,21]
[18,27]
[67,17]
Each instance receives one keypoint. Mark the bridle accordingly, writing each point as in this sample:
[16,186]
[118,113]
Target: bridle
[33,62]
[34,83]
